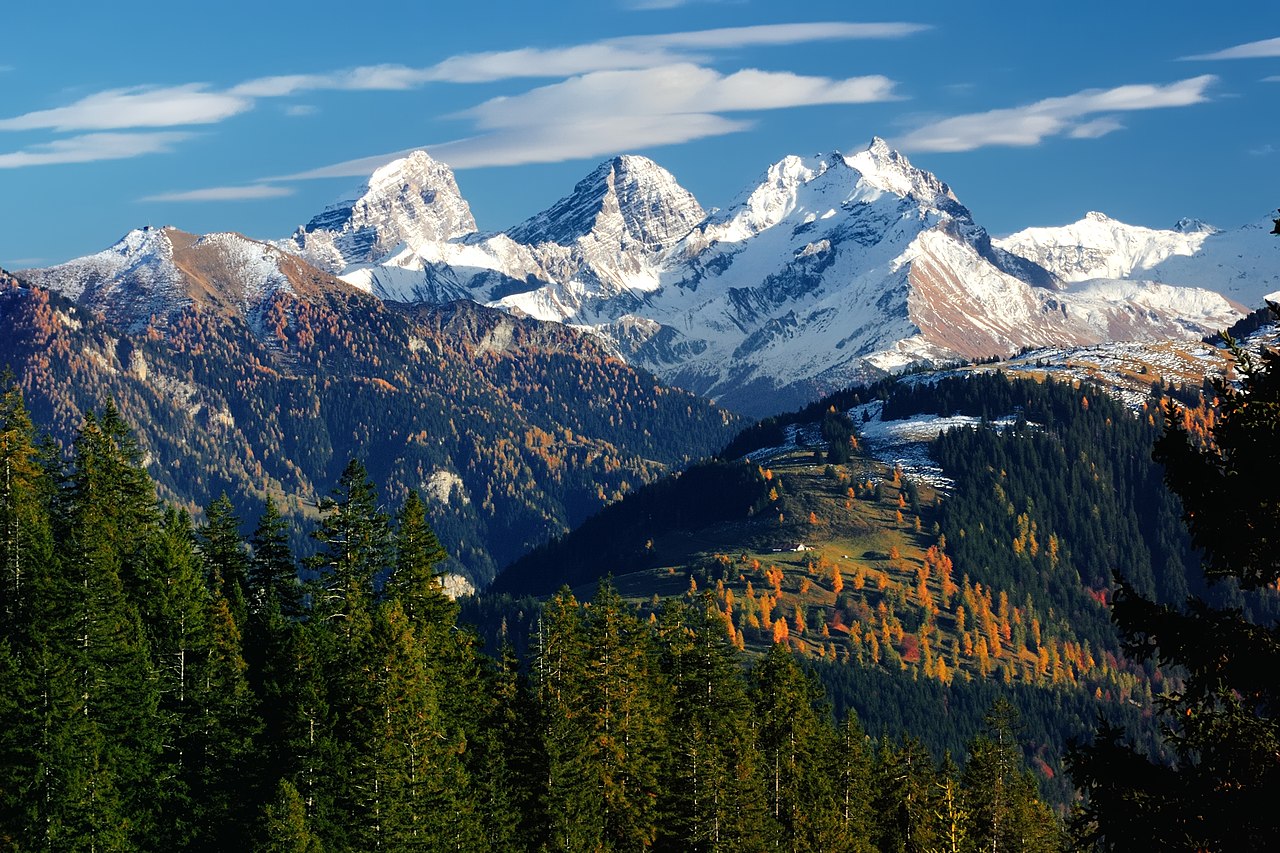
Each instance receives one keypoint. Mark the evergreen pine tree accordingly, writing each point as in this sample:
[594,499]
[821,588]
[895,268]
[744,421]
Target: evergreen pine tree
[418,554]
[225,557]
[273,575]
[108,518]
[797,745]
[286,827]
[1000,797]
[714,796]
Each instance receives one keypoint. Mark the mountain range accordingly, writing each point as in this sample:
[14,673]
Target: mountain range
[824,271]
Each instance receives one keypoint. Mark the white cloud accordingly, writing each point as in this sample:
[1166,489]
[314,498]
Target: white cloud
[1275,78]
[116,109]
[583,136]
[551,62]
[671,91]
[1265,49]
[361,167]
[1094,129]
[300,110]
[248,193]
[776,34]
[625,53]
[1033,123]
[609,111]
[653,5]
[652,84]
[91,148]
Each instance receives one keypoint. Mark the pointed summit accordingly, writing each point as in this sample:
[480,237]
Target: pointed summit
[889,170]
[1188,225]
[629,200]
[413,200]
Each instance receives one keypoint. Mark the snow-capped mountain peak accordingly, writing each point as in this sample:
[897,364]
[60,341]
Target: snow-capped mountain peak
[1187,225]
[152,274]
[889,170]
[1098,246]
[628,200]
[413,200]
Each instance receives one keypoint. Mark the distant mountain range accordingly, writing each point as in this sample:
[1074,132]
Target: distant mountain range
[824,271]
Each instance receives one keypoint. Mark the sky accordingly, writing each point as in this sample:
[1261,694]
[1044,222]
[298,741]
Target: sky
[252,117]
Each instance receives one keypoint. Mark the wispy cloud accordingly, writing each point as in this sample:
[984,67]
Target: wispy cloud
[1265,150]
[1274,78]
[609,111]
[246,193]
[300,110]
[653,5]
[1095,129]
[654,86]
[672,90]
[1033,123]
[625,53]
[1267,48]
[777,34]
[117,109]
[93,147]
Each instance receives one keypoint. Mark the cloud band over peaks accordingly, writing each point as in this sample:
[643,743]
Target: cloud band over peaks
[1069,115]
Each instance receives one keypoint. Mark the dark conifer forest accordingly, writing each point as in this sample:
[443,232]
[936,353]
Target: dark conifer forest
[172,686]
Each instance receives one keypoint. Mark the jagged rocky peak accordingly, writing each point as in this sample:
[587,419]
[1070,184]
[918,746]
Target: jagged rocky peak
[1188,225]
[889,170]
[413,200]
[628,200]
[829,181]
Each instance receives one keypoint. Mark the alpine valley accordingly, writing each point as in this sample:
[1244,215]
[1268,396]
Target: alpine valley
[508,376]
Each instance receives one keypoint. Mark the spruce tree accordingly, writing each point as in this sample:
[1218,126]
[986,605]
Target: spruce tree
[713,799]
[225,557]
[415,581]
[355,540]
[797,744]
[273,575]
[999,794]
[110,736]
[286,828]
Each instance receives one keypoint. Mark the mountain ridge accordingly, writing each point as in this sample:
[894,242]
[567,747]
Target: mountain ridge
[824,271]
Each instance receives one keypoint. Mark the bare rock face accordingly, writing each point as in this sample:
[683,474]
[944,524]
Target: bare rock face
[413,200]
[628,203]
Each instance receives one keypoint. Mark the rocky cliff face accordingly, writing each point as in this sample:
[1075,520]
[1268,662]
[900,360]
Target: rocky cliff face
[413,200]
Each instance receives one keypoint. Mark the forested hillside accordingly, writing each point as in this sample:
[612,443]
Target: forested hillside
[997,583]
[171,687]
[513,430]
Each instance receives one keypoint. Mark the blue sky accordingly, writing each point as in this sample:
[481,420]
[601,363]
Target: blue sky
[253,116]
